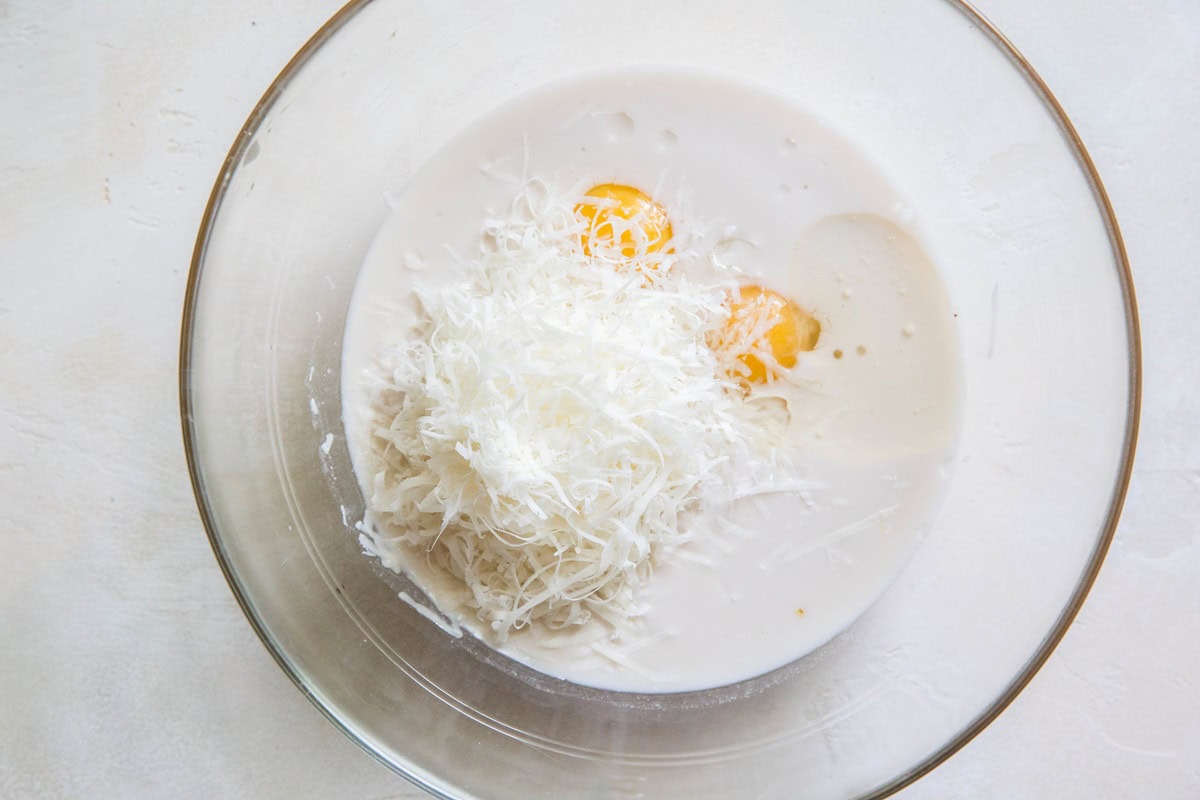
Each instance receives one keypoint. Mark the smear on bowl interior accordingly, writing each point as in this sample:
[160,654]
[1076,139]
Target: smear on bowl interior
[656,406]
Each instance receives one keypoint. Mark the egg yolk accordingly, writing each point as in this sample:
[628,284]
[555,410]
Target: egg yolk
[765,322]
[643,225]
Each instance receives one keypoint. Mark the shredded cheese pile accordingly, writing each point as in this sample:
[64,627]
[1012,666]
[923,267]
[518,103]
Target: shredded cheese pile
[555,417]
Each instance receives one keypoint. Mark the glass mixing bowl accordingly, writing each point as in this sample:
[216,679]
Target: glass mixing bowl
[1036,272]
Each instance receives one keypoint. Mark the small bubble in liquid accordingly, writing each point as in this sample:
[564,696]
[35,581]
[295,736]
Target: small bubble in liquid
[903,213]
[788,147]
[784,189]
[667,139]
[617,125]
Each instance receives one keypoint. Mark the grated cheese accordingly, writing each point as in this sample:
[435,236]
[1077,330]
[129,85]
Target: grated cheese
[557,416]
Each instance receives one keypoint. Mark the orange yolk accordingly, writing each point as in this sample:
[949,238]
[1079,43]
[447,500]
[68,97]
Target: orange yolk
[637,212]
[765,322]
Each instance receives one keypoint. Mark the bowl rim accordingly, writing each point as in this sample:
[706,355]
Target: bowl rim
[1031,667]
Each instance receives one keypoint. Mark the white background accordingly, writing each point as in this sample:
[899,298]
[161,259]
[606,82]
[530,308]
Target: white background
[126,668]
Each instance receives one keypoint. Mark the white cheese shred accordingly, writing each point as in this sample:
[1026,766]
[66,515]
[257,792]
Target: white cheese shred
[449,626]
[558,414]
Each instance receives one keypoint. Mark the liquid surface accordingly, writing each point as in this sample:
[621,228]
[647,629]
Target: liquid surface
[870,414]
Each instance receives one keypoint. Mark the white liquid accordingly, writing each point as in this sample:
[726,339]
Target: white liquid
[873,417]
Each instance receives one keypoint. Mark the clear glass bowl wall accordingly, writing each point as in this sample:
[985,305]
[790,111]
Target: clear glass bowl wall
[1046,320]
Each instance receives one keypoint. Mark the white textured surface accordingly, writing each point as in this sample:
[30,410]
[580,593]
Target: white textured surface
[127,669]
